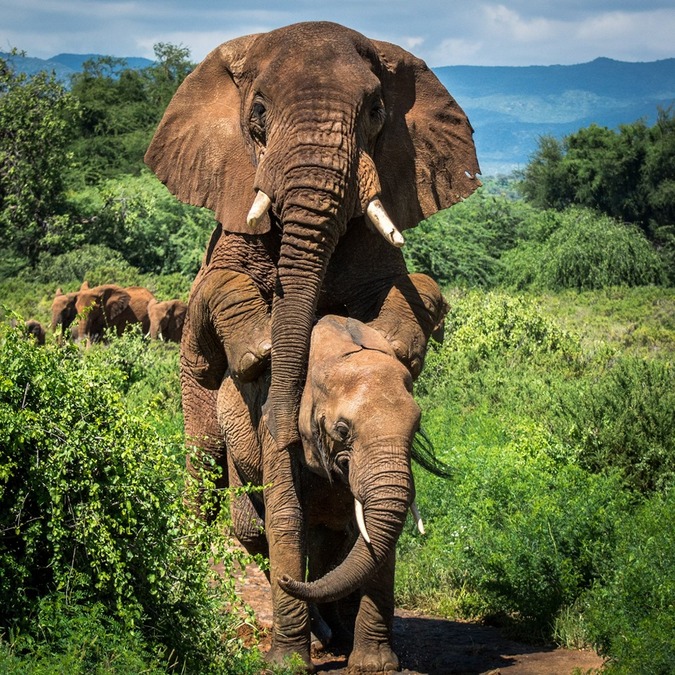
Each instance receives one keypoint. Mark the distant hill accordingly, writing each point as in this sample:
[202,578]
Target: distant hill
[65,65]
[510,107]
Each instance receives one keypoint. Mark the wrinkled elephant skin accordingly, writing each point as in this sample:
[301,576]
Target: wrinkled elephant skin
[357,421]
[316,148]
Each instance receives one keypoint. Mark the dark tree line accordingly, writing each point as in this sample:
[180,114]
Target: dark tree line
[628,174]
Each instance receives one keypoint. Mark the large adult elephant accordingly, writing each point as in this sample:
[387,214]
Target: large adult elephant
[301,140]
[358,419]
[112,307]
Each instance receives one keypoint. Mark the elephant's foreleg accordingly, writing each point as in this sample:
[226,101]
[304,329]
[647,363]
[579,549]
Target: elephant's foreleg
[412,310]
[372,650]
[231,322]
[205,444]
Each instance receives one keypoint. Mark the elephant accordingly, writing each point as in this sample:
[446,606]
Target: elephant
[358,419]
[64,309]
[32,329]
[167,319]
[36,330]
[316,148]
[112,307]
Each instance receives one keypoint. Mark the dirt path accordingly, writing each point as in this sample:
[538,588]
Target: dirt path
[428,645]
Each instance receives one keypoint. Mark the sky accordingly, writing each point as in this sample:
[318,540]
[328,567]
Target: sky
[442,32]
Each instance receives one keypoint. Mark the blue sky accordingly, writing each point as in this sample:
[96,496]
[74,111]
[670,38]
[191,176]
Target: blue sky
[442,32]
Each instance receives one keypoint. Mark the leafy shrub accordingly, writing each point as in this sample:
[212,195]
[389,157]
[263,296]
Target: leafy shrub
[91,509]
[631,613]
[585,251]
[481,328]
[624,419]
[462,245]
[96,263]
[515,534]
[138,217]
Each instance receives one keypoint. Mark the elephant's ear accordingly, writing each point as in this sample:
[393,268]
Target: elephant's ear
[198,150]
[116,300]
[425,156]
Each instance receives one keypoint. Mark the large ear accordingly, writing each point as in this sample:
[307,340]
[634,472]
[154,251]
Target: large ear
[425,156]
[115,301]
[198,150]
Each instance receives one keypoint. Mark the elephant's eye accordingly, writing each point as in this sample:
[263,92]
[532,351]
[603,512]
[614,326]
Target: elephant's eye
[342,430]
[377,113]
[258,122]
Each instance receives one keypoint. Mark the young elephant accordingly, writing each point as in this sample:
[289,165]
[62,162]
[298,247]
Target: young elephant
[357,421]
[167,319]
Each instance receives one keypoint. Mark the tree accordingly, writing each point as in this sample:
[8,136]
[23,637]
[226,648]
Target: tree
[625,173]
[36,124]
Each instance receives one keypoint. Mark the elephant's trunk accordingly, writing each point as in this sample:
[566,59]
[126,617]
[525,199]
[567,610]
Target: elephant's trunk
[385,509]
[317,198]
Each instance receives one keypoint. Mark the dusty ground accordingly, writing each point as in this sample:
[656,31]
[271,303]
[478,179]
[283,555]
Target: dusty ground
[434,646]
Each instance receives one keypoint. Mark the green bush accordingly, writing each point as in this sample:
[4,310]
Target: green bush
[91,509]
[631,612]
[462,245]
[585,251]
[623,419]
[514,534]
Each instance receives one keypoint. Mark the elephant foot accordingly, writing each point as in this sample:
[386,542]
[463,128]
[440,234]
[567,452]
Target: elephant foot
[247,364]
[376,658]
[291,660]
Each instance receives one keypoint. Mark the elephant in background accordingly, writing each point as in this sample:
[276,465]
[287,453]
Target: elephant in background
[357,421]
[112,307]
[32,329]
[36,330]
[64,310]
[315,147]
[167,319]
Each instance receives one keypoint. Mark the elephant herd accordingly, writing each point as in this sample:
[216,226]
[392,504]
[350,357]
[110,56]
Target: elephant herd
[316,148]
[88,313]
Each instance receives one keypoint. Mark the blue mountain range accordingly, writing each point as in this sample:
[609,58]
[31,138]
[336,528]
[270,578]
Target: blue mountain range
[510,107]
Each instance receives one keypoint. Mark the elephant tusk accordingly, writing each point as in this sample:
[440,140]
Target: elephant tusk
[379,218]
[261,205]
[360,520]
[418,519]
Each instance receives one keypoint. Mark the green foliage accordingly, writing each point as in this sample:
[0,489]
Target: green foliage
[623,418]
[138,217]
[36,115]
[91,507]
[462,245]
[526,528]
[120,109]
[80,640]
[584,251]
[631,610]
[520,535]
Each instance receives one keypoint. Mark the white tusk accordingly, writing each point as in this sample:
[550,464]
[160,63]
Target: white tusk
[418,519]
[358,507]
[379,218]
[261,205]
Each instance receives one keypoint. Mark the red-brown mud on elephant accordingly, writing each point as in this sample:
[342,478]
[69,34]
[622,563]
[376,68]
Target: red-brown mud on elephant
[435,646]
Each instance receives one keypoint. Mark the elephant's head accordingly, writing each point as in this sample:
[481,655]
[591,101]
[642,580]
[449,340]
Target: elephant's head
[100,306]
[357,421]
[167,319]
[305,130]
[63,309]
